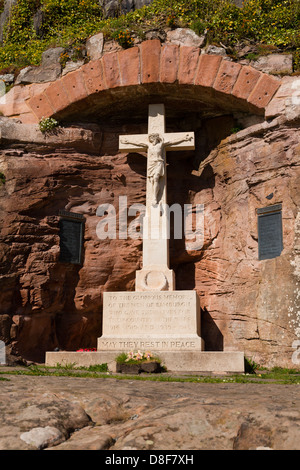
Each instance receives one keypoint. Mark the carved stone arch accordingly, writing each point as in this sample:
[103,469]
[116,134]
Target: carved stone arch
[155,69]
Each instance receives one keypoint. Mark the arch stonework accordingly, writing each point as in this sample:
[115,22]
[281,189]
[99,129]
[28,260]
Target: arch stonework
[213,80]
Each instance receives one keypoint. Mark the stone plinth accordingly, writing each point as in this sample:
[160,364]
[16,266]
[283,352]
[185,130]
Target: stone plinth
[167,323]
[155,321]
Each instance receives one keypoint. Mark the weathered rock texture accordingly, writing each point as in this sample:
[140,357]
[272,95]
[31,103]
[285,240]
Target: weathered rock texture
[63,413]
[5,15]
[48,71]
[246,303]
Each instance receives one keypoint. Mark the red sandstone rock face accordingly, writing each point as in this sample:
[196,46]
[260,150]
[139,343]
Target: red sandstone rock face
[246,304]
[256,298]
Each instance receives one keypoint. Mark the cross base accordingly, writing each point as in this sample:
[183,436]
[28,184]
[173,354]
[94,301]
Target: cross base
[155,278]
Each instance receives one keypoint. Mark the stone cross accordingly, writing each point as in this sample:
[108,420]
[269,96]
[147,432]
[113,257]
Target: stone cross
[155,274]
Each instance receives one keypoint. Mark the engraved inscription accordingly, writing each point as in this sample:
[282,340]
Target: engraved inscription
[152,345]
[148,312]
[71,233]
[270,242]
[150,320]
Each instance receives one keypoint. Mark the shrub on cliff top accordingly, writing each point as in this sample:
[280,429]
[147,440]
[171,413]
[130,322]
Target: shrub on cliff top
[65,22]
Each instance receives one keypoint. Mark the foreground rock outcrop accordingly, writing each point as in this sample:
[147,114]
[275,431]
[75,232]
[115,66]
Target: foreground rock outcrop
[61,413]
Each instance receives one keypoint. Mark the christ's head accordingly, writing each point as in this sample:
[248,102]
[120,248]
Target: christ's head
[155,138]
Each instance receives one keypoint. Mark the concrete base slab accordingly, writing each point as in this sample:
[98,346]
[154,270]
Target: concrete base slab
[174,361]
[203,361]
[81,359]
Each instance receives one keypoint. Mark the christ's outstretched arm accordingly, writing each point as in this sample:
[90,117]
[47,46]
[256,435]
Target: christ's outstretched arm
[178,141]
[124,140]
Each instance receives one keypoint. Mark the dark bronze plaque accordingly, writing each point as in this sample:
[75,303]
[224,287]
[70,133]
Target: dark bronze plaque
[71,236]
[270,242]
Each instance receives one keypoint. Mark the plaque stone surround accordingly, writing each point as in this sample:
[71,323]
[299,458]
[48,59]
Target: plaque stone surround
[155,317]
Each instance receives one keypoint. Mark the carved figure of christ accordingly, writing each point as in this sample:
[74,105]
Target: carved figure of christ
[156,158]
[155,224]
[156,143]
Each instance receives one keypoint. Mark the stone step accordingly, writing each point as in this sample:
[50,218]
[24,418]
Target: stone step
[174,361]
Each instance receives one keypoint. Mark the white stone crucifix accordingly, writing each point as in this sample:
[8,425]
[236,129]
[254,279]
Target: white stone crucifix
[155,274]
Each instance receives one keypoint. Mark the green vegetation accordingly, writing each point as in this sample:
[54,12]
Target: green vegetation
[136,357]
[236,129]
[276,375]
[69,23]
[47,124]
[288,376]
[72,366]
[122,358]
[98,368]
[2,178]
[250,365]
[123,37]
